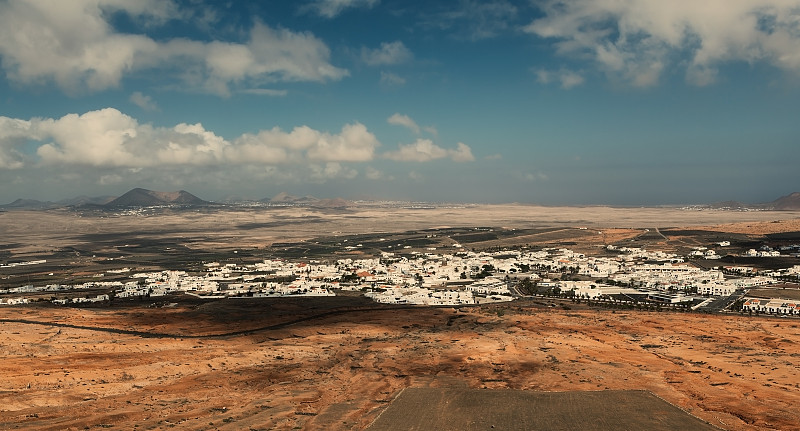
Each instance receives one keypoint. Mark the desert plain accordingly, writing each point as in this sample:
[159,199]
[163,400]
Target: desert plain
[337,363]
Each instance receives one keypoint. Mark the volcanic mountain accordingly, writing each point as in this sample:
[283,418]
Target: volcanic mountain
[139,197]
[788,202]
[286,198]
[28,204]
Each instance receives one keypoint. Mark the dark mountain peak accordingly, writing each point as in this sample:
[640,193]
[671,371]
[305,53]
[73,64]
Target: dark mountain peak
[788,202]
[140,197]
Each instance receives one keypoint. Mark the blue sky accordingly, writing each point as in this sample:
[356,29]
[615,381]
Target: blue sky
[621,102]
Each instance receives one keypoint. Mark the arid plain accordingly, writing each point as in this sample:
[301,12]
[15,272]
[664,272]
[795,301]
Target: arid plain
[336,363]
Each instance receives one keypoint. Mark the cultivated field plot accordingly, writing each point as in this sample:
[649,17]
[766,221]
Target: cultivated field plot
[505,409]
[767,292]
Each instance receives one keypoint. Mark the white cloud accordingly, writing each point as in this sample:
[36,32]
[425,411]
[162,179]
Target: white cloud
[39,43]
[143,101]
[109,138]
[424,150]
[332,8]
[374,174]
[264,92]
[398,119]
[388,53]
[354,144]
[462,153]
[570,79]
[636,40]
[107,147]
[432,130]
[270,55]
[331,171]
[390,79]
[567,78]
[13,135]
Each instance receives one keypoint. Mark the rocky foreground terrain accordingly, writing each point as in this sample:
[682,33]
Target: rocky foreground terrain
[336,363]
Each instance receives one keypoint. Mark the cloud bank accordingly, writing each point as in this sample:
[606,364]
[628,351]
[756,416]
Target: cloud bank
[39,44]
[108,138]
[424,150]
[388,53]
[637,40]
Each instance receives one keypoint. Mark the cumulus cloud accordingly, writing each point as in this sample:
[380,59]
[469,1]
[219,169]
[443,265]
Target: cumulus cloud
[374,174]
[388,53]
[636,40]
[462,153]
[332,8]
[391,79]
[13,135]
[39,43]
[330,171]
[424,150]
[567,78]
[398,119]
[354,144]
[108,138]
[143,101]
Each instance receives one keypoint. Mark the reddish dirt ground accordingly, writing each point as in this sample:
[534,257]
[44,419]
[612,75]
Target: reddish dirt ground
[340,370]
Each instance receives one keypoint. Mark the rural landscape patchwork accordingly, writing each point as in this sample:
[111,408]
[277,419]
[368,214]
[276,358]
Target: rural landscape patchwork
[141,313]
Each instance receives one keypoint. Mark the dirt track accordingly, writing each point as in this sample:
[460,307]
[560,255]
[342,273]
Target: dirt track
[456,409]
[339,370]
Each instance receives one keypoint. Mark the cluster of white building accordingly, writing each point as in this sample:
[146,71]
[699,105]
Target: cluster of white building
[30,262]
[772,306]
[446,279]
[430,278]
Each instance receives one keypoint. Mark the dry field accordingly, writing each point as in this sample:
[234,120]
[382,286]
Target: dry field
[340,370]
[36,232]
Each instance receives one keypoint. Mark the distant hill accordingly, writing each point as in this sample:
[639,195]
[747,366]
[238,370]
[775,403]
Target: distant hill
[139,197]
[311,201]
[29,204]
[332,203]
[286,198]
[788,202]
[86,200]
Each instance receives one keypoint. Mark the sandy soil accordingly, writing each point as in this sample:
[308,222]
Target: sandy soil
[757,227]
[338,371]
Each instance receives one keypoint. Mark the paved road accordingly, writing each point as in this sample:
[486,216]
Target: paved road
[722,303]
